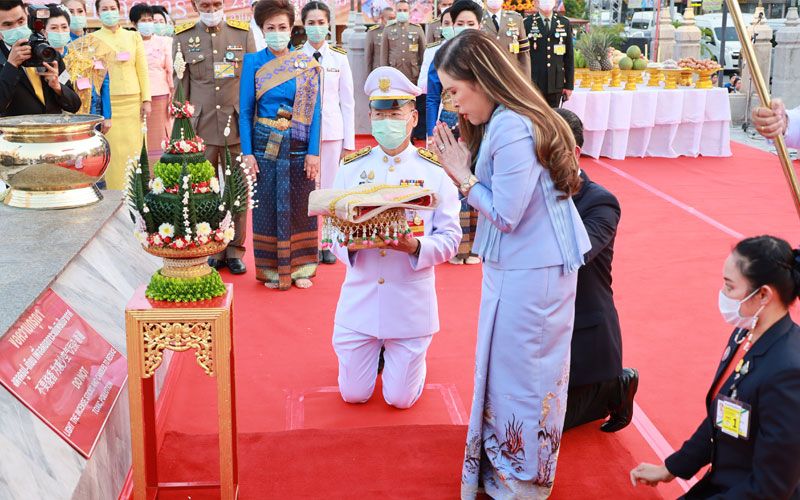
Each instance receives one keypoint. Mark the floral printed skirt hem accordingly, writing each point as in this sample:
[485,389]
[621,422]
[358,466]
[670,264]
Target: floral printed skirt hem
[521,380]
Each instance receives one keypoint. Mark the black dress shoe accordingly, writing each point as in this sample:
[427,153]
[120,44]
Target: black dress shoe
[236,266]
[622,415]
[216,263]
[327,257]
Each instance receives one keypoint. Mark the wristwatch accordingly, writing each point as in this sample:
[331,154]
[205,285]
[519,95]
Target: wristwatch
[467,184]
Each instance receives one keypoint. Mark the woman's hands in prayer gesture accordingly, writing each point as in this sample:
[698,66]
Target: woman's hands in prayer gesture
[453,154]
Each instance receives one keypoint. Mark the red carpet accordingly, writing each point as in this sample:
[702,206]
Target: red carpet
[299,440]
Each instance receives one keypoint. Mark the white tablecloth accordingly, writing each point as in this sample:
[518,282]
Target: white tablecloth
[653,122]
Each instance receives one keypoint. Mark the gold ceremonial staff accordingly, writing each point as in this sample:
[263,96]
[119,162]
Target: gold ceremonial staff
[763,95]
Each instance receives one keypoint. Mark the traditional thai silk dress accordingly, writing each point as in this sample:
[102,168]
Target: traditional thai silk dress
[439,104]
[279,123]
[159,123]
[121,53]
[532,244]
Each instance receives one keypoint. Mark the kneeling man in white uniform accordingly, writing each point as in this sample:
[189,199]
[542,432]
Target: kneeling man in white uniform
[388,298]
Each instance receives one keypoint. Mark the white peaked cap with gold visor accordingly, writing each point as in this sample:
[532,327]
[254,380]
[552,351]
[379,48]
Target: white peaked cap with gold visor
[388,88]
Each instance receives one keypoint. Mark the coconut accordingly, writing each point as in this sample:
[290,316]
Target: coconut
[626,63]
[639,65]
[634,52]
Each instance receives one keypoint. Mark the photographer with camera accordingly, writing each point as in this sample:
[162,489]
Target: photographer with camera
[33,79]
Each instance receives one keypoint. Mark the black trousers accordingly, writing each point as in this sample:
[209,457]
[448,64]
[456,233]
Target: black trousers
[553,100]
[586,403]
[420,131]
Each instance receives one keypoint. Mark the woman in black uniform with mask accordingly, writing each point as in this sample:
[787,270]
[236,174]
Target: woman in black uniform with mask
[751,433]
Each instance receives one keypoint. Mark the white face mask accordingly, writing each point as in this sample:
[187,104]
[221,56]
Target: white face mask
[212,18]
[547,5]
[494,4]
[729,308]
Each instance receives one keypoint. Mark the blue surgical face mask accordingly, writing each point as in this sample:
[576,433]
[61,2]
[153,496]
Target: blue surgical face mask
[77,23]
[58,40]
[316,34]
[457,30]
[277,40]
[13,35]
[146,28]
[390,134]
[109,17]
[448,32]
[170,30]
[402,17]
[160,28]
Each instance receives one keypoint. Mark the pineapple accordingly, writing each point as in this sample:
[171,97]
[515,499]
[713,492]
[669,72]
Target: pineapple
[594,46]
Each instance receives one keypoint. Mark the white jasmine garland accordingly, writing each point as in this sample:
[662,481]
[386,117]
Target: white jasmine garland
[214,184]
[228,235]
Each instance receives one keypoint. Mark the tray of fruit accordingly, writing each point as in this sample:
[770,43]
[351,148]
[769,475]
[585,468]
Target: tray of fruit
[698,64]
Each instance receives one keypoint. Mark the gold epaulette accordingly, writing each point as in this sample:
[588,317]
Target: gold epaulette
[374,27]
[355,156]
[429,155]
[338,49]
[433,44]
[239,25]
[184,27]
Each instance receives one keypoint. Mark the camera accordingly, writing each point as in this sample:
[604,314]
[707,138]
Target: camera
[41,51]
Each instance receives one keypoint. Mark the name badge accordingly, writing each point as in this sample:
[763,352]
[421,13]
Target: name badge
[733,417]
[123,56]
[83,83]
[332,70]
[560,49]
[413,47]
[223,70]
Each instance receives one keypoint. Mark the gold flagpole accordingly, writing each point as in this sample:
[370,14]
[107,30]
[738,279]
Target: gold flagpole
[763,94]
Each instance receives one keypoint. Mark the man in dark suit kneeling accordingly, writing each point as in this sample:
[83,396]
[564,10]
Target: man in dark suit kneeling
[598,385]
[28,90]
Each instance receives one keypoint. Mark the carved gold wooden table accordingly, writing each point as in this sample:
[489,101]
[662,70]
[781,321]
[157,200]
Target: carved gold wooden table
[206,328]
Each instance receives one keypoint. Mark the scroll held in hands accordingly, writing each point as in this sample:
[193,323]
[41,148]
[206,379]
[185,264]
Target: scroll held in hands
[368,216]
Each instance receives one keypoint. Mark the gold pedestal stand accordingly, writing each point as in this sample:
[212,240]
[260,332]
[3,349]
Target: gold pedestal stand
[206,328]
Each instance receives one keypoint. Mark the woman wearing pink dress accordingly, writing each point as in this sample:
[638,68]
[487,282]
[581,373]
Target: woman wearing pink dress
[159,66]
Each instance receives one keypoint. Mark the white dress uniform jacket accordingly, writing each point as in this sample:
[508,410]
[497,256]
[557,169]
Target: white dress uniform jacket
[427,60]
[389,294]
[793,130]
[338,102]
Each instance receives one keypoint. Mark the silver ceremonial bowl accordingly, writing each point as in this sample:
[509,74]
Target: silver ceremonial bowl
[52,161]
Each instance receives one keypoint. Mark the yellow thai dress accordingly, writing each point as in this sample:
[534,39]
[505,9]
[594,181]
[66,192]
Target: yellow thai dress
[122,54]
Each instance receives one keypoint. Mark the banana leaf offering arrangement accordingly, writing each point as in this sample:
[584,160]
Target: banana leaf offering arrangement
[368,216]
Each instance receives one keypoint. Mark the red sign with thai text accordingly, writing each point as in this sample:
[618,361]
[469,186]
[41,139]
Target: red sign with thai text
[62,370]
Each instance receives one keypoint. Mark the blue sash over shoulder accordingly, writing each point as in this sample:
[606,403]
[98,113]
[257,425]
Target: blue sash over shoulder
[487,240]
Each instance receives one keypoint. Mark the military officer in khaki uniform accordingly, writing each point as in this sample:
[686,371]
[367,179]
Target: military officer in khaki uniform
[375,37]
[433,31]
[403,43]
[507,28]
[213,50]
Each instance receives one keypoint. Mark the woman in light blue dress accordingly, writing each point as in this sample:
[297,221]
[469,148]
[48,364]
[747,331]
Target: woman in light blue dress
[532,242]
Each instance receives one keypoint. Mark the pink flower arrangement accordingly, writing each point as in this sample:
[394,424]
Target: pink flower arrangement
[184,242]
[184,146]
[178,110]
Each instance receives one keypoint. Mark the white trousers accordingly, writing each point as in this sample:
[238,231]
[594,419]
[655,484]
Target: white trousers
[403,371]
[330,151]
